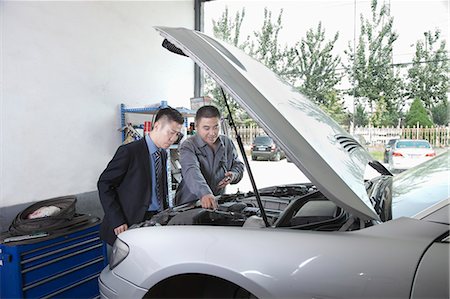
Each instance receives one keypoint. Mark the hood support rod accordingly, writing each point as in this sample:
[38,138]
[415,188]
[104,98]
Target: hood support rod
[247,165]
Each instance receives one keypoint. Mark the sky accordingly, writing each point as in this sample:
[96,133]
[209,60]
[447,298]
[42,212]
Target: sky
[411,19]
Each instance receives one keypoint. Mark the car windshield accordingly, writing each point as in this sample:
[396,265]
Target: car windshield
[421,187]
[413,144]
[391,142]
[263,140]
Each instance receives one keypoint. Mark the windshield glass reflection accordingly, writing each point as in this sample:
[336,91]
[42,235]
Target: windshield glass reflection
[421,187]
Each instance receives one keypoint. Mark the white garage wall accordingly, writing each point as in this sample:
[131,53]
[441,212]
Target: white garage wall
[66,67]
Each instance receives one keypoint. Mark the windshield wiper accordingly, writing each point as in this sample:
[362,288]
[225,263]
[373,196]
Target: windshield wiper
[247,165]
[379,167]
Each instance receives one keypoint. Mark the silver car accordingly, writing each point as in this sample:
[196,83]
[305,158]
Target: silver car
[339,236]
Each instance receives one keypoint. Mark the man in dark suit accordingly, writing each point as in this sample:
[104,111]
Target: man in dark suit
[129,188]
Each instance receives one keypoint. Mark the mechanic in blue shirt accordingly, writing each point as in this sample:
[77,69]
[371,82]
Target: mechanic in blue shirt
[209,161]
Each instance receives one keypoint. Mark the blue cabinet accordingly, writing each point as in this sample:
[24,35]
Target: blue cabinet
[65,266]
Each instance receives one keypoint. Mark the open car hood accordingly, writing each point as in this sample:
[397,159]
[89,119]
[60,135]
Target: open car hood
[320,148]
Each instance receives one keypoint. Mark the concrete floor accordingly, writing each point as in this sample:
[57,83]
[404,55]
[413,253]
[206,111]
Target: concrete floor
[271,173]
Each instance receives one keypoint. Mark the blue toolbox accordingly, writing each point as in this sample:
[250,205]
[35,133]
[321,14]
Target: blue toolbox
[62,265]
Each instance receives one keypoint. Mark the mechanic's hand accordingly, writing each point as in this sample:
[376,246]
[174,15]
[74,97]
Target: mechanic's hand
[226,180]
[120,229]
[208,202]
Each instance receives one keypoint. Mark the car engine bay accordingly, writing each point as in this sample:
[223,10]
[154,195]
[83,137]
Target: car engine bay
[296,206]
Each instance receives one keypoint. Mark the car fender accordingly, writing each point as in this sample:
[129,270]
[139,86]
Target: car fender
[219,271]
[276,262]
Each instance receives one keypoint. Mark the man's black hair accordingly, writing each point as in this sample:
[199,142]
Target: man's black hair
[207,111]
[171,114]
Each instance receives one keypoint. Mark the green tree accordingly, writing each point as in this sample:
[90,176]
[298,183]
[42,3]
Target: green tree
[418,114]
[370,68]
[309,65]
[263,47]
[334,106]
[315,67]
[378,118]
[429,77]
[441,113]
[229,31]
[361,119]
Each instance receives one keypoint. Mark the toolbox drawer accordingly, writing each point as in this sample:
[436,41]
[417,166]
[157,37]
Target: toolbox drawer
[66,266]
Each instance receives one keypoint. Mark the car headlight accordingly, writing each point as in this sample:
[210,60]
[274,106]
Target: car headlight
[119,252]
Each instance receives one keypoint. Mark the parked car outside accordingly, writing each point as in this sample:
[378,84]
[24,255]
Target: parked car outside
[339,236]
[407,153]
[264,147]
[387,149]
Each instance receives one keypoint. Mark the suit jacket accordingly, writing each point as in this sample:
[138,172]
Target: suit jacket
[124,187]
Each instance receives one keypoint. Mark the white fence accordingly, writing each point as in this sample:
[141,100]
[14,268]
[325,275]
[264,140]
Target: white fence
[437,136]
[247,133]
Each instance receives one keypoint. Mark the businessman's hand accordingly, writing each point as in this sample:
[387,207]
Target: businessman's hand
[120,229]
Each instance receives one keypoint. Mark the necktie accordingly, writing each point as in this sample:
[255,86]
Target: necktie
[159,178]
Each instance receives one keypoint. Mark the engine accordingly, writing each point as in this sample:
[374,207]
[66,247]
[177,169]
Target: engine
[298,206]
